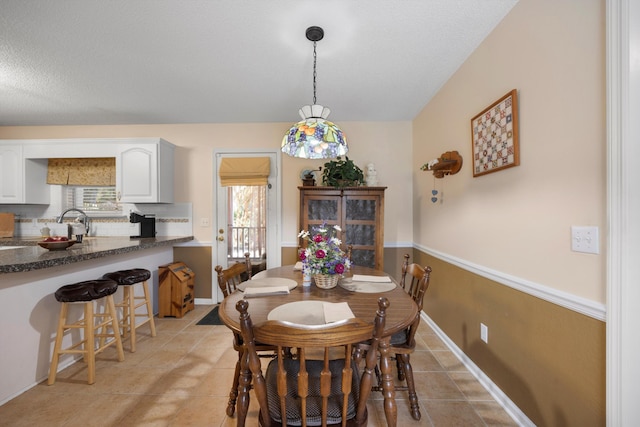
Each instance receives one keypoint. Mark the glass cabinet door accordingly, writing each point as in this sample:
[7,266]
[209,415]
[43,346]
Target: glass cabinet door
[360,230]
[319,211]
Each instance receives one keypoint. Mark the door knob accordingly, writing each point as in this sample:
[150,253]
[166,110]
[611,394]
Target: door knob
[221,238]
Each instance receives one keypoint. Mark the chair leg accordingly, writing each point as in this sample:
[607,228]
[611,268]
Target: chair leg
[233,394]
[399,366]
[404,360]
[53,369]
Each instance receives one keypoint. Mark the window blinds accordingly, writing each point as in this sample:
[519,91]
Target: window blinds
[244,171]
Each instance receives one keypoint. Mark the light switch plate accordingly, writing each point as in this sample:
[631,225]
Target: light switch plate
[585,239]
[484,333]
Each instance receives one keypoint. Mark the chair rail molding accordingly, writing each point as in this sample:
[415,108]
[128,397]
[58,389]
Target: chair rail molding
[576,303]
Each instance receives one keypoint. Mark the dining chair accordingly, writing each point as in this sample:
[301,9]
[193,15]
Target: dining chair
[320,383]
[415,281]
[228,281]
[231,277]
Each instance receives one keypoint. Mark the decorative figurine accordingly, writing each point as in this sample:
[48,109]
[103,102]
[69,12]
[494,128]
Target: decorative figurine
[372,178]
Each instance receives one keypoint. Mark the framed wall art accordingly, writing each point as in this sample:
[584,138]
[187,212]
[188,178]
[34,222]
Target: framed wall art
[494,136]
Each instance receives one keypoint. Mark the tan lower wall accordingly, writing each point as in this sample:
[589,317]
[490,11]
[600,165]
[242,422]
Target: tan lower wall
[289,256]
[549,360]
[198,259]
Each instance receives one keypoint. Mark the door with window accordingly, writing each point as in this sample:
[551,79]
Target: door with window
[247,204]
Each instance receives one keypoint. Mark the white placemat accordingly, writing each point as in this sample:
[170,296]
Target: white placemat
[367,278]
[311,312]
[299,312]
[259,275]
[366,287]
[268,282]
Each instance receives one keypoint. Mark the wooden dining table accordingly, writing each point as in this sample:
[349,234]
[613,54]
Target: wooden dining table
[402,312]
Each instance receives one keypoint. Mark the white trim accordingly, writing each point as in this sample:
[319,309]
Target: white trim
[614,109]
[398,244]
[623,211]
[500,397]
[203,301]
[563,299]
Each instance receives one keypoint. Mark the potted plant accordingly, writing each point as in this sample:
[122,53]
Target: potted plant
[342,173]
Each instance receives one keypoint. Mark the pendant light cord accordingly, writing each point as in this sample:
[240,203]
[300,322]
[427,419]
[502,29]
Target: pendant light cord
[315,58]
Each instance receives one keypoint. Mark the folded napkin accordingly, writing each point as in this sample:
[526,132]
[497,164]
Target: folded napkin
[336,311]
[265,290]
[366,278]
[298,266]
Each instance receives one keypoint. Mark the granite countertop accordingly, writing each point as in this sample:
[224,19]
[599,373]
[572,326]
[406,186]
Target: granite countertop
[29,256]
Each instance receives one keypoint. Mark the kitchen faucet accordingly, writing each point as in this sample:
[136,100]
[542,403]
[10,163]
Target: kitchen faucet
[83,218]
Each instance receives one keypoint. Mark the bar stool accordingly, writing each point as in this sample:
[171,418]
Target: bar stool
[86,293]
[127,279]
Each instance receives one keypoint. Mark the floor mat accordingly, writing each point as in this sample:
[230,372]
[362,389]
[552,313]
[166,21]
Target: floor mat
[212,318]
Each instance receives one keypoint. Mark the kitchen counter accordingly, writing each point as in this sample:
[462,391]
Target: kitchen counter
[29,256]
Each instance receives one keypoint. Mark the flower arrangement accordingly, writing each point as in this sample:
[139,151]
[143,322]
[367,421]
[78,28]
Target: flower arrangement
[323,254]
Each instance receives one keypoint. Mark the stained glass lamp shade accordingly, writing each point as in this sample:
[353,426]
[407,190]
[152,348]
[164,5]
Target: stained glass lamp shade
[314,137]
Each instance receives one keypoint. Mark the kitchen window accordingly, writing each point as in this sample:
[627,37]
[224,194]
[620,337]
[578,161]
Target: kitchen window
[95,200]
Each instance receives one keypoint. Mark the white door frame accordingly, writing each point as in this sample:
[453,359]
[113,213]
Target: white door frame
[274,210]
[623,211]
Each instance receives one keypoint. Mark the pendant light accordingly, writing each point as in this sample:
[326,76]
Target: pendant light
[314,137]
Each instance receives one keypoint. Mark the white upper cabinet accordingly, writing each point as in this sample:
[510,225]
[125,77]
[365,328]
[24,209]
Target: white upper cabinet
[144,172]
[144,167]
[22,181]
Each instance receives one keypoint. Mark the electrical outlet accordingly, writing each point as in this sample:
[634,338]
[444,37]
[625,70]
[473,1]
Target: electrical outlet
[204,222]
[585,239]
[484,333]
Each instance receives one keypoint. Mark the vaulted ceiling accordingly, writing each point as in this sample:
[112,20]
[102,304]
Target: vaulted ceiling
[94,62]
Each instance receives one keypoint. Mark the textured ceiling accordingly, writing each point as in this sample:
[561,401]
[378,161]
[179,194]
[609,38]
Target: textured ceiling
[76,62]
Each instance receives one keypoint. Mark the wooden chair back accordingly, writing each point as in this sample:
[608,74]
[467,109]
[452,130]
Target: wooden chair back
[319,384]
[415,280]
[230,278]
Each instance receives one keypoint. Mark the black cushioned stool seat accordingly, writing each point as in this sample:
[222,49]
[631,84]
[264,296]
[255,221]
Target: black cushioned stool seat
[127,279]
[86,293]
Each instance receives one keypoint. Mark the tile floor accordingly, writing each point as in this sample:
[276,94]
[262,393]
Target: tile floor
[182,378]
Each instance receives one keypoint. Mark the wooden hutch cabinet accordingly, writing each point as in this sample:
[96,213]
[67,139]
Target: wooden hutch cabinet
[359,211]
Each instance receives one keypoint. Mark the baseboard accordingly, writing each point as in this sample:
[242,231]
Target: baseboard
[508,405]
[203,301]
